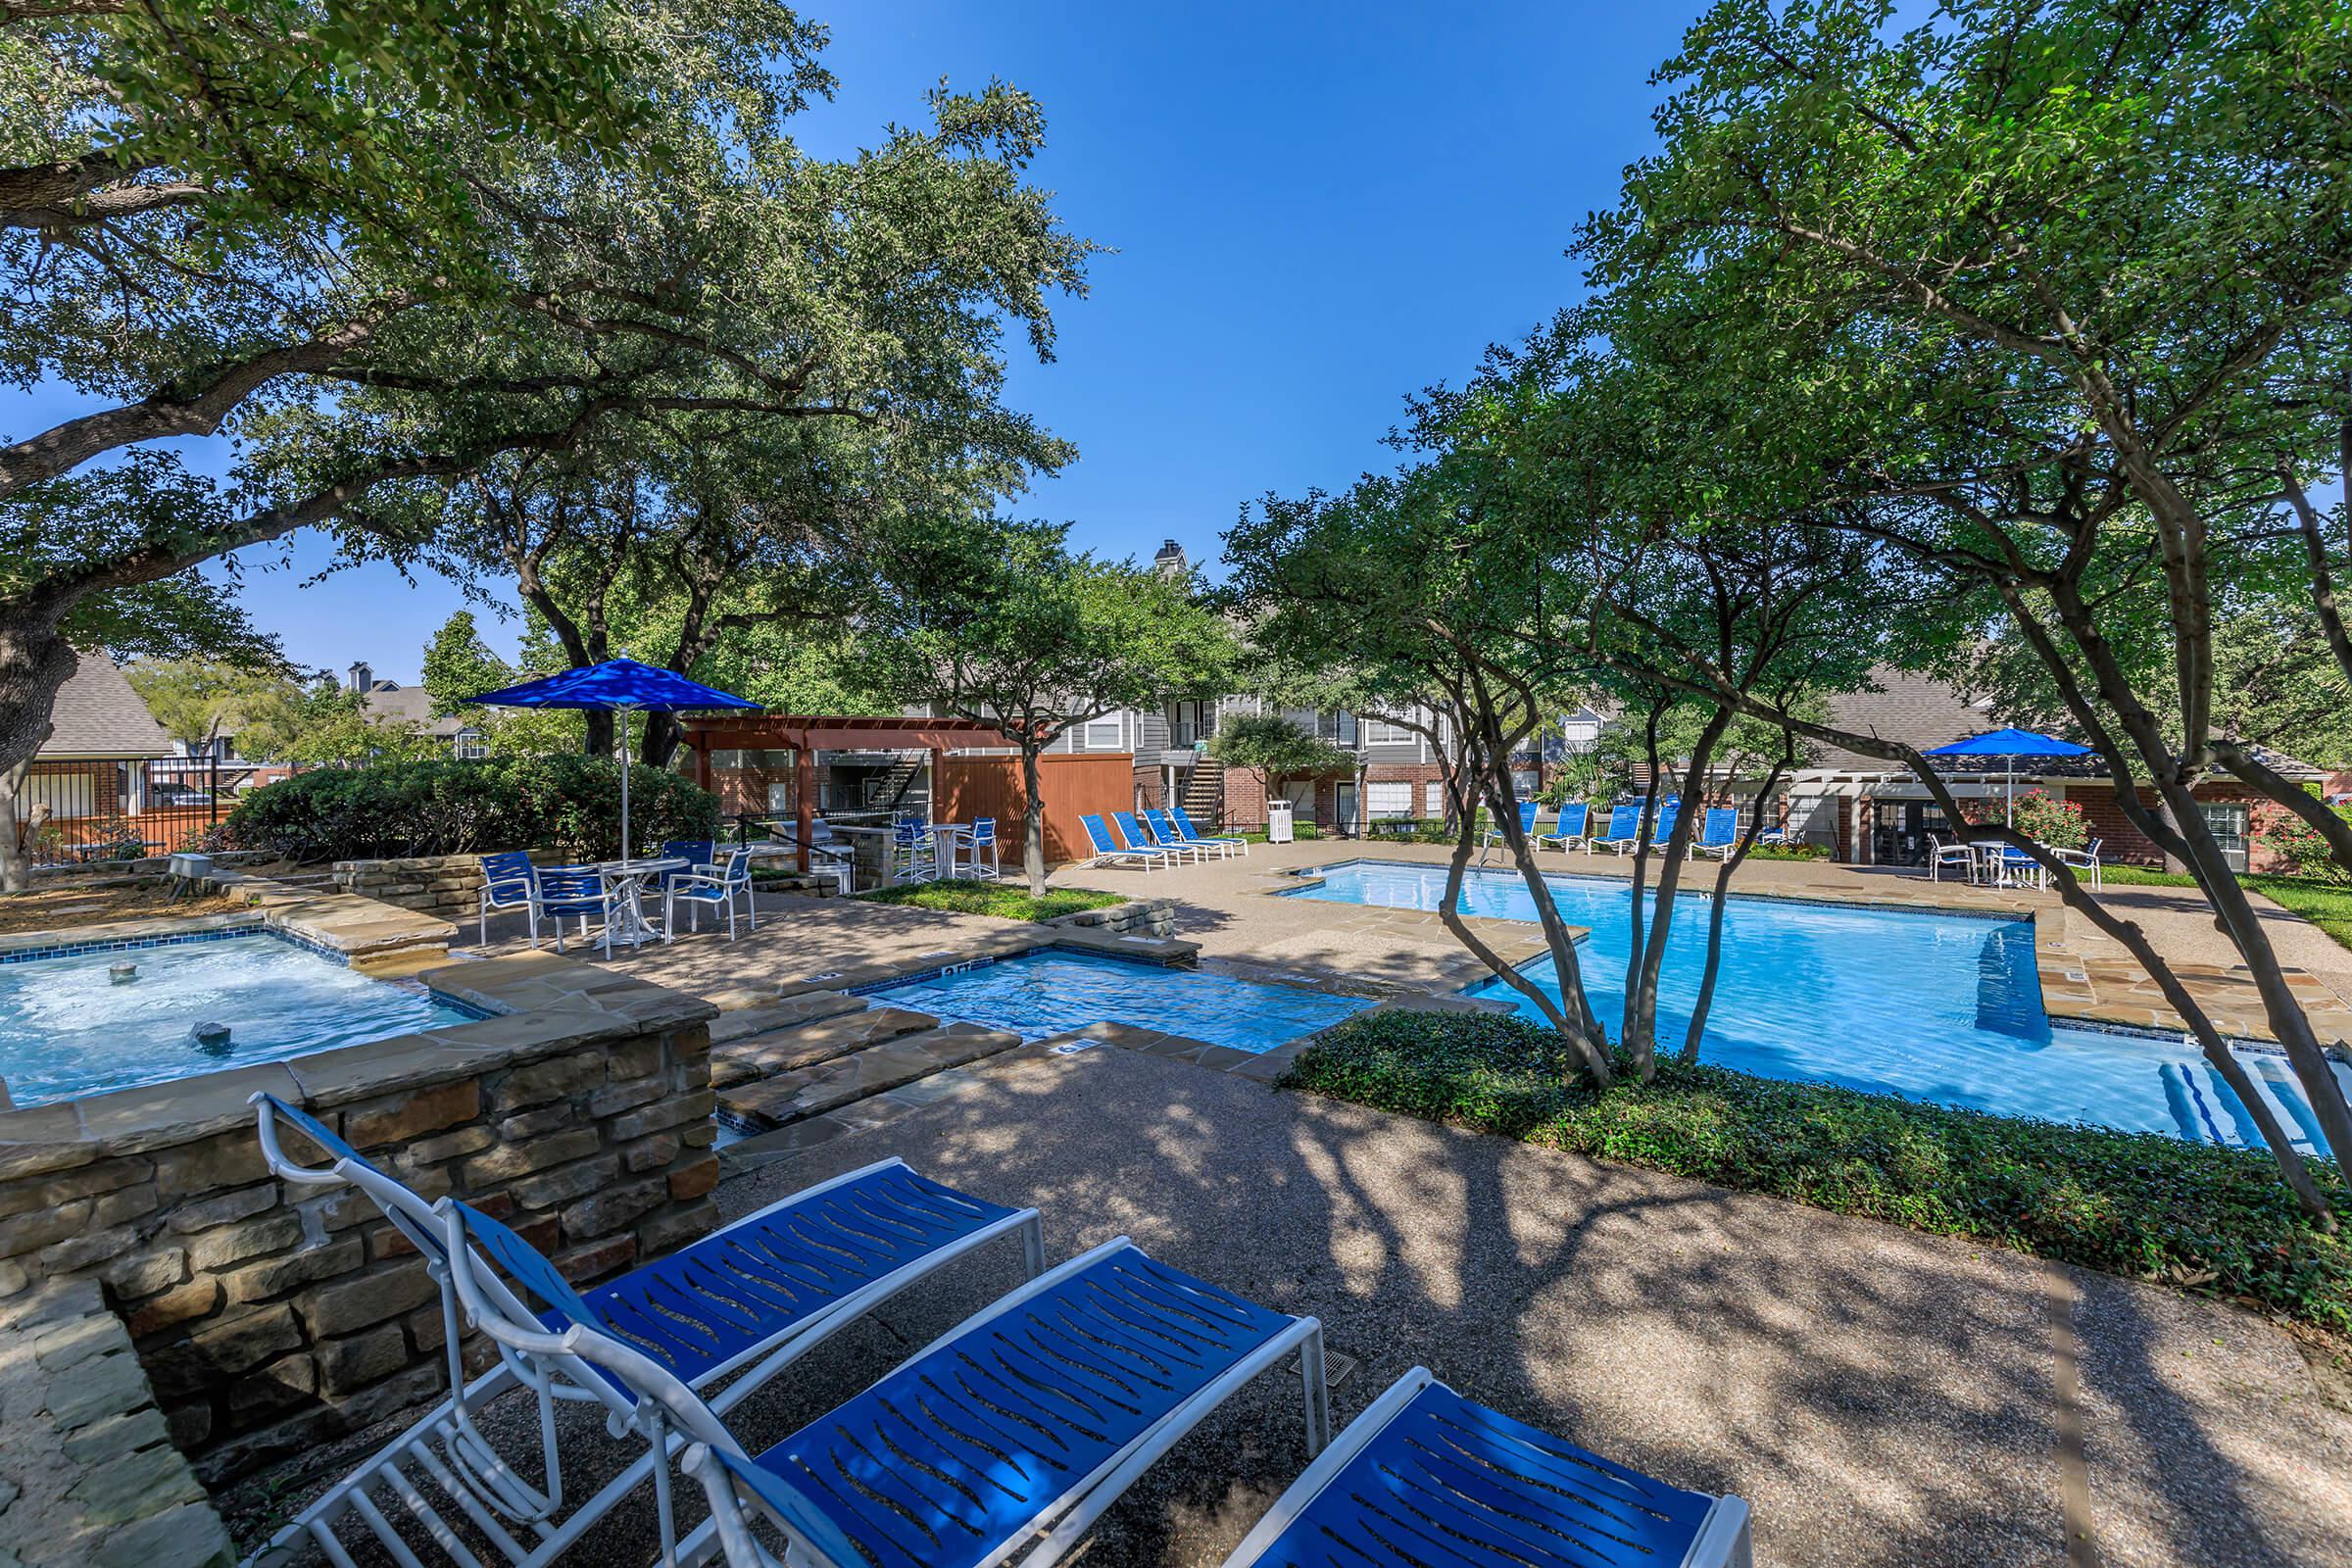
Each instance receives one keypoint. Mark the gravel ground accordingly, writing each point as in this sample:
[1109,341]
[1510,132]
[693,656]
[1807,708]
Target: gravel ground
[1879,1396]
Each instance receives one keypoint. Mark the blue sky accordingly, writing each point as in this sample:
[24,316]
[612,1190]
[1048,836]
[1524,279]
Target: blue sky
[1316,209]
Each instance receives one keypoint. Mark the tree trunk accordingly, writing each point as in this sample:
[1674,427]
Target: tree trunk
[1637,919]
[1706,1003]
[1642,1006]
[1033,822]
[35,661]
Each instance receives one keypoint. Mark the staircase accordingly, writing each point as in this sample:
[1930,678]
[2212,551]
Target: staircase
[1204,795]
[783,1062]
[887,791]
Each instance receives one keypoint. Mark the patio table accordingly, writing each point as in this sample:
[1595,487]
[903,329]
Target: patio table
[628,879]
[947,836]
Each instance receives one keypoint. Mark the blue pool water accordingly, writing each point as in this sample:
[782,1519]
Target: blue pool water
[67,1030]
[1040,993]
[1937,1007]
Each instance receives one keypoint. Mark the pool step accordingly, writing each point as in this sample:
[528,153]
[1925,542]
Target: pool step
[801,1032]
[830,1083]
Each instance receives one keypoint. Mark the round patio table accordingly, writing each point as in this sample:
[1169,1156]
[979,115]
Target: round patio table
[628,879]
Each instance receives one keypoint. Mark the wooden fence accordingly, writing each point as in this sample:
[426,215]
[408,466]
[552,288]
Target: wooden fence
[1072,787]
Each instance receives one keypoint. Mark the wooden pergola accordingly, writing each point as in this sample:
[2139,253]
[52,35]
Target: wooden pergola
[804,735]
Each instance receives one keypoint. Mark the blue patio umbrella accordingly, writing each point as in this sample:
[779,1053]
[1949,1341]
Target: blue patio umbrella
[621,686]
[2010,745]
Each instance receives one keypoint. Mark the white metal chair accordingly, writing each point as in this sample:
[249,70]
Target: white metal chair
[710,887]
[1940,855]
[913,850]
[582,891]
[984,836]
[2086,859]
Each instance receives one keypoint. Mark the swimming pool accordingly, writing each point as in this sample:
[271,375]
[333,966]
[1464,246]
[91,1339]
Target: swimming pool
[1931,1006]
[1050,993]
[68,1029]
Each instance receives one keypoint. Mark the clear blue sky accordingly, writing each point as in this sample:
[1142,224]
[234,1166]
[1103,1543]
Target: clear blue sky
[1315,210]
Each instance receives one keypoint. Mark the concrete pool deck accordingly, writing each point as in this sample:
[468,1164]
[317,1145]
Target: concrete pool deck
[1879,1396]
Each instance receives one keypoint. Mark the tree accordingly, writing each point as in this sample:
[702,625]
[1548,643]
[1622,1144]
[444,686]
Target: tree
[1003,624]
[335,728]
[2090,395]
[1276,750]
[459,665]
[199,700]
[602,217]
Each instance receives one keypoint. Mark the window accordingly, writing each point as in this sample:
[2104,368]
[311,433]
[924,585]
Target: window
[1388,800]
[471,747]
[1433,799]
[1380,732]
[1105,734]
[2226,821]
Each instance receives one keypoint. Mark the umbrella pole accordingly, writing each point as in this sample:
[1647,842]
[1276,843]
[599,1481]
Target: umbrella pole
[2009,790]
[624,783]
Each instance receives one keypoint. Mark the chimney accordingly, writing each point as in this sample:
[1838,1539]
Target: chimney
[362,679]
[1172,561]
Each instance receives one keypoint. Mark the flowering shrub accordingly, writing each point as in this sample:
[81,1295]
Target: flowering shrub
[2040,816]
[567,803]
[2295,842]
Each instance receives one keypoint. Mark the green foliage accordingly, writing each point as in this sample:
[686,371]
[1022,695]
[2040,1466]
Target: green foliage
[567,804]
[1276,750]
[2325,903]
[460,666]
[2140,1205]
[1002,899]
[196,699]
[1787,852]
[2296,842]
[2041,816]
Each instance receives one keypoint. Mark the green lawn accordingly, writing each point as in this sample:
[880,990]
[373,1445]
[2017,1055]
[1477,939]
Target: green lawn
[2218,1222]
[1006,901]
[2325,904]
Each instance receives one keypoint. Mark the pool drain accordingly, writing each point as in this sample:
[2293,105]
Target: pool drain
[210,1038]
[122,974]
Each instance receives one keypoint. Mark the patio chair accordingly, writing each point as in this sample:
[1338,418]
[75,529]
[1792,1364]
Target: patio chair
[1003,1440]
[510,882]
[710,887]
[2086,859]
[1567,827]
[581,891]
[1109,851]
[1192,835]
[1166,836]
[1623,833]
[984,836]
[1718,833]
[759,1294]
[698,853]
[1670,811]
[1426,1475]
[1528,810]
[1940,855]
[913,850]
[1134,837]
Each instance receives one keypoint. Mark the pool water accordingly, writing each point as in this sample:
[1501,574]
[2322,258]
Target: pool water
[1938,1007]
[67,1030]
[1040,993]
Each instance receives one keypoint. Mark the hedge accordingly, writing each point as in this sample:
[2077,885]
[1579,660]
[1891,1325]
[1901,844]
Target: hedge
[567,802]
[2141,1205]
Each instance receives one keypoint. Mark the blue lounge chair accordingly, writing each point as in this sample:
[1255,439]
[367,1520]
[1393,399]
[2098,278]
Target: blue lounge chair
[756,1294]
[1527,826]
[510,882]
[1426,1476]
[1024,1421]
[1166,836]
[1132,834]
[1192,835]
[1669,812]
[1567,827]
[1718,834]
[1109,851]
[1624,831]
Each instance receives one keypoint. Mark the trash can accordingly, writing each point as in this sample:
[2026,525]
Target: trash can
[1277,822]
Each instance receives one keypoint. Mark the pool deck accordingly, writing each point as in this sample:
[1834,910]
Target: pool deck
[1879,1396]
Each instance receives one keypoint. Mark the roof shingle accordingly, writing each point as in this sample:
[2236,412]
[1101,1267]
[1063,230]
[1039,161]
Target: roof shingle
[98,716]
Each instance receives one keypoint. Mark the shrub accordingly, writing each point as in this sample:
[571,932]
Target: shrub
[2039,815]
[2295,841]
[2141,1204]
[567,802]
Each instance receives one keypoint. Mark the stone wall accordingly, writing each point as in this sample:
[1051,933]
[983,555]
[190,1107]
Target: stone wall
[447,885]
[270,1318]
[88,1473]
[1145,918]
